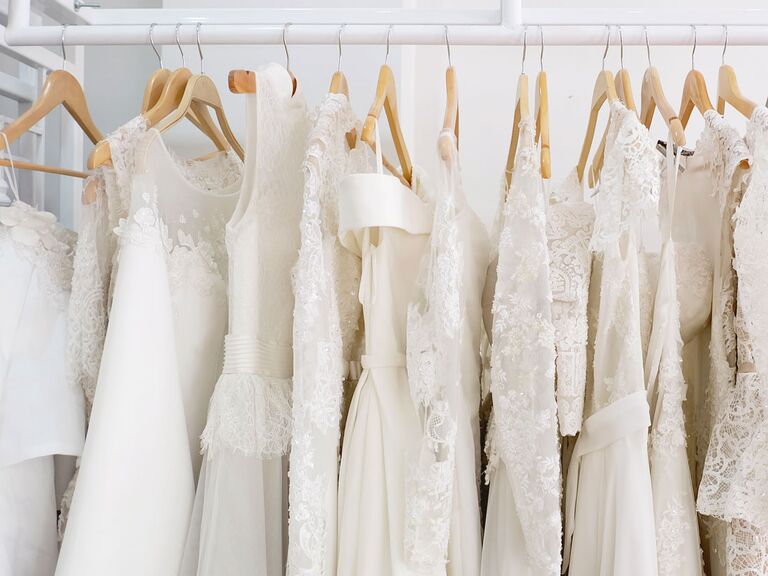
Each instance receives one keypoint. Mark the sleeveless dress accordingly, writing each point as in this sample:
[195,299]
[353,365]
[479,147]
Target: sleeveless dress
[677,534]
[325,341]
[135,489]
[523,527]
[41,415]
[443,531]
[239,520]
[608,478]
[386,226]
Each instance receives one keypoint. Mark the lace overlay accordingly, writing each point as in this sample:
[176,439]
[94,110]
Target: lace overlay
[523,363]
[326,315]
[569,228]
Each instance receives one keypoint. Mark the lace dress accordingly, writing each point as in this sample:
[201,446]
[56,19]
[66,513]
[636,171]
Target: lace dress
[163,348]
[677,534]
[325,332]
[443,532]
[569,228]
[386,226]
[523,526]
[735,477]
[240,510]
[41,415]
[609,522]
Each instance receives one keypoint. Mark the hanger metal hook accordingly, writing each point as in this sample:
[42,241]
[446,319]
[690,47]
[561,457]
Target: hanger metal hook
[525,49]
[178,43]
[152,43]
[63,48]
[199,49]
[285,47]
[448,46]
[386,56]
[341,29]
[725,44]
[693,52]
[541,54]
[607,44]
[647,45]
[621,46]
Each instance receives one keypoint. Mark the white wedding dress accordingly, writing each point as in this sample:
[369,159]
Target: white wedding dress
[442,517]
[163,347]
[609,521]
[41,415]
[735,476]
[387,227]
[523,527]
[240,514]
[325,341]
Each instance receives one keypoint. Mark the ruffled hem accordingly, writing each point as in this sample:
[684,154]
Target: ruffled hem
[249,414]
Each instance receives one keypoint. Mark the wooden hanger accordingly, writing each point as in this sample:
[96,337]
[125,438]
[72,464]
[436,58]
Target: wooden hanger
[542,114]
[604,90]
[522,110]
[63,88]
[695,95]
[386,97]
[728,88]
[652,97]
[451,116]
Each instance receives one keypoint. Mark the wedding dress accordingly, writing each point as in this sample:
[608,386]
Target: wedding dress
[609,522]
[386,226]
[41,415]
[677,534]
[238,525]
[735,477]
[131,505]
[523,526]
[442,517]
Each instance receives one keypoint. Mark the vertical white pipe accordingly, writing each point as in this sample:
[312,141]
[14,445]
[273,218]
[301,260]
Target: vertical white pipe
[511,13]
[18,15]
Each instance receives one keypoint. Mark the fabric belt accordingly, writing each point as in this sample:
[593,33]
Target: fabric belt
[383,361]
[606,426]
[249,355]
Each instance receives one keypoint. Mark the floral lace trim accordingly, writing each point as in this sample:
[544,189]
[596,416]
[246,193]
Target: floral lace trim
[249,415]
[746,549]
[523,363]
[326,314]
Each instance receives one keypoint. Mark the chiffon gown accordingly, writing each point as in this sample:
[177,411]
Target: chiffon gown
[609,519]
[239,521]
[41,415]
[443,530]
[523,526]
[387,226]
[132,502]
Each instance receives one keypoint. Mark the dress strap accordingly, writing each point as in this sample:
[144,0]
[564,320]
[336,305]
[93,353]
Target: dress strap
[379,158]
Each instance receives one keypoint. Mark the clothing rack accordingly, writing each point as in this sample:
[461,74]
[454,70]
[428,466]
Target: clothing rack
[503,26]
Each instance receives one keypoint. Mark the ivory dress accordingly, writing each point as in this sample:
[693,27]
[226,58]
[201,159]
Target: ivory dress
[386,226]
[325,341]
[41,415]
[735,476]
[443,533]
[608,477]
[240,509]
[131,506]
[523,528]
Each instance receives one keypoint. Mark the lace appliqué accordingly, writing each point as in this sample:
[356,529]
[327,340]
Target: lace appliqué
[326,316]
[672,530]
[569,228]
[523,363]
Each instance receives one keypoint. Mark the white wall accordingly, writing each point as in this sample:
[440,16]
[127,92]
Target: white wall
[487,79]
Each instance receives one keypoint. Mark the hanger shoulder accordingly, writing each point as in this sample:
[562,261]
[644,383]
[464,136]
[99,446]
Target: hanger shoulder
[339,85]
[728,92]
[522,110]
[653,98]
[242,81]
[695,95]
[604,90]
[154,88]
[623,84]
[451,117]
[542,124]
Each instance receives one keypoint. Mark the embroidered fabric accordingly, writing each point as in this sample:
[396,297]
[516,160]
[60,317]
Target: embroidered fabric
[523,363]
[569,229]
[325,324]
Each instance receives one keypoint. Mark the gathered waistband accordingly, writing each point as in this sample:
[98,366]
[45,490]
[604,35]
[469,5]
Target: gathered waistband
[249,355]
[383,361]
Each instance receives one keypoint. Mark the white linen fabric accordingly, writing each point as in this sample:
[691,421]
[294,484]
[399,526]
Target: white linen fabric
[523,526]
[386,226]
[240,514]
[161,354]
[41,415]
[677,534]
[608,478]
[325,330]
[569,229]
[443,532]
